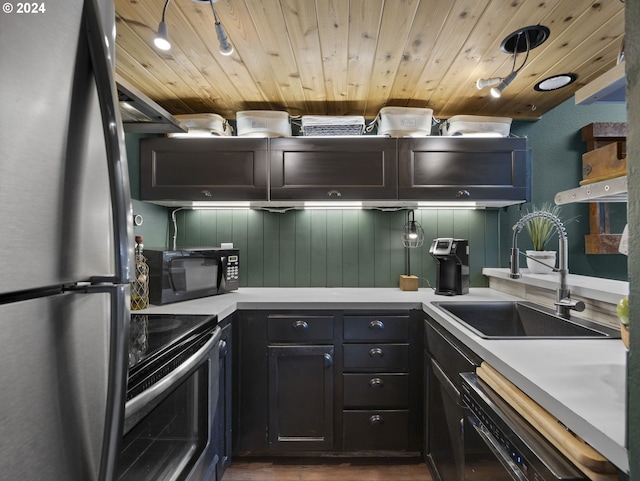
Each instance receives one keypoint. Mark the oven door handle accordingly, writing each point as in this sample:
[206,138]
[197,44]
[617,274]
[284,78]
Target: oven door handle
[496,448]
[152,395]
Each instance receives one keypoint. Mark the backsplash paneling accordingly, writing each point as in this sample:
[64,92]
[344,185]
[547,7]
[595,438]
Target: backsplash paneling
[337,248]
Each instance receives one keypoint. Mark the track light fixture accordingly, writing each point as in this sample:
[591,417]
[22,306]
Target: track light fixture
[225,47]
[162,36]
[496,92]
[523,40]
[487,82]
[161,41]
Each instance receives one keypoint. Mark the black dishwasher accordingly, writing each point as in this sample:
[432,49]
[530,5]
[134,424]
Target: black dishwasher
[445,359]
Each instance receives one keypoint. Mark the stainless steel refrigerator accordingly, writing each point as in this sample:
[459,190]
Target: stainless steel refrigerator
[65,243]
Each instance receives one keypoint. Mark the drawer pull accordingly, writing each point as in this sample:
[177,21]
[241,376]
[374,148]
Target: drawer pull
[300,325]
[376,382]
[376,324]
[376,419]
[376,351]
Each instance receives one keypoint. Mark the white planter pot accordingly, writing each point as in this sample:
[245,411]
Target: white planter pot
[546,257]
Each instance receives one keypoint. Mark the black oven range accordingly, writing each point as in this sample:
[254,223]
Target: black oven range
[172,391]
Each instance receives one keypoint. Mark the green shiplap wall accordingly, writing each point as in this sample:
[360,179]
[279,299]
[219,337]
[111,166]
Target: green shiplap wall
[337,248]
[556,165]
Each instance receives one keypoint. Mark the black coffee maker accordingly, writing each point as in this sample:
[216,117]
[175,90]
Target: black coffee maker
[452,273]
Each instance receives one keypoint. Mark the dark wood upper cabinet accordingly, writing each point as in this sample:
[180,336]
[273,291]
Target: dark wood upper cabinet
[455,168]
[322,168]
[216,169]
[375,169]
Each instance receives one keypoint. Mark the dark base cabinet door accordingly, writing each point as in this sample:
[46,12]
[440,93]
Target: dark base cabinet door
[464,169]
[218,169]
[301,393]
[444,431]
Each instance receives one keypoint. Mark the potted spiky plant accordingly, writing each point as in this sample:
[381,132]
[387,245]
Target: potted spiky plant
[540,230]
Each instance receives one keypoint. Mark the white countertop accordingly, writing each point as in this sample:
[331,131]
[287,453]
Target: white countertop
[581,382]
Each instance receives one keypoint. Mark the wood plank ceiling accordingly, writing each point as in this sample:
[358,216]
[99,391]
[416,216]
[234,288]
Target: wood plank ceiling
[353,57]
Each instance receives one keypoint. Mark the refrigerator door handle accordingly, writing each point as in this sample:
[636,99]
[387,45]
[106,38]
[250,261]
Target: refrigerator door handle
[117,374]
[114,140]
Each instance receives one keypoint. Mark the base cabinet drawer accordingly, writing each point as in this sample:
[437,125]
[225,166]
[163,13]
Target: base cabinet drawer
[378,357]
[376,328]
[297,328]
[376,390]
[376,430]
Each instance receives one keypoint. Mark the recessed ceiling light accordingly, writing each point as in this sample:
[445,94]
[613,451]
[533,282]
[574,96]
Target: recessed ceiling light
[555,82]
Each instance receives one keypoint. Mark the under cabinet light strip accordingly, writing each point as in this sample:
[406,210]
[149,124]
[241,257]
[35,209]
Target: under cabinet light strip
[333,205]
[220,205]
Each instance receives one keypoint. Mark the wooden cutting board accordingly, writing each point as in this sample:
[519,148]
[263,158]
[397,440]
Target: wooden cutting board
[587,459]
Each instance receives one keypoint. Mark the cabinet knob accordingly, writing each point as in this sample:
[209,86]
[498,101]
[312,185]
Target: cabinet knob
[463,194]
[377,324]
[328,360]
[334,193]
[376,382]
[300,325]
[223,348]
[376,351]
[376,419]
[206,193]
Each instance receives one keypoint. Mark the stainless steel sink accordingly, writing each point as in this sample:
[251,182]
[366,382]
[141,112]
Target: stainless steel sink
[522,320]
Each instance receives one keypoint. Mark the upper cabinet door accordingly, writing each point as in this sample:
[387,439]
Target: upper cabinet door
[317,168]
[458,168]
[214,169]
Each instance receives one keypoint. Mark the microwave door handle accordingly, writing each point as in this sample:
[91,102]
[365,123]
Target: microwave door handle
[114,142]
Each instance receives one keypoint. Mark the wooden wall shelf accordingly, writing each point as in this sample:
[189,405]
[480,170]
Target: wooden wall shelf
[610,87]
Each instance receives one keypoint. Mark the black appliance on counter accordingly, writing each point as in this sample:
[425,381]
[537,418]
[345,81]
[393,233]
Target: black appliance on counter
[452,256]
[190,273]
[172,397]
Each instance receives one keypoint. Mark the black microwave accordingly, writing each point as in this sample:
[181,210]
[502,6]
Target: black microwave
[190,273]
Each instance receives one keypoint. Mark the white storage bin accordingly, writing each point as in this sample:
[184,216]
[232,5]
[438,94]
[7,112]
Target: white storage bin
[332,125]
[404,121]
[263,123]
[476,126]
[203,125]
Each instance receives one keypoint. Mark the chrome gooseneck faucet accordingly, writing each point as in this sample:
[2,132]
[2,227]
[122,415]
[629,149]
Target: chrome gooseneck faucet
[564,303]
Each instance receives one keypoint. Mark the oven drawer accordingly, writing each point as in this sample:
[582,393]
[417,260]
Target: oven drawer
[294,328]
[376,328]
[376,429]
[376,390]
[378,357]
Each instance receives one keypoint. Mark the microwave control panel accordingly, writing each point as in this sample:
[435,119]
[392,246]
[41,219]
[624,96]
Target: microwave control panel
[232,271]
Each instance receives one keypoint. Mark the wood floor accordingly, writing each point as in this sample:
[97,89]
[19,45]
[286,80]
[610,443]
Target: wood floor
[331,469]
